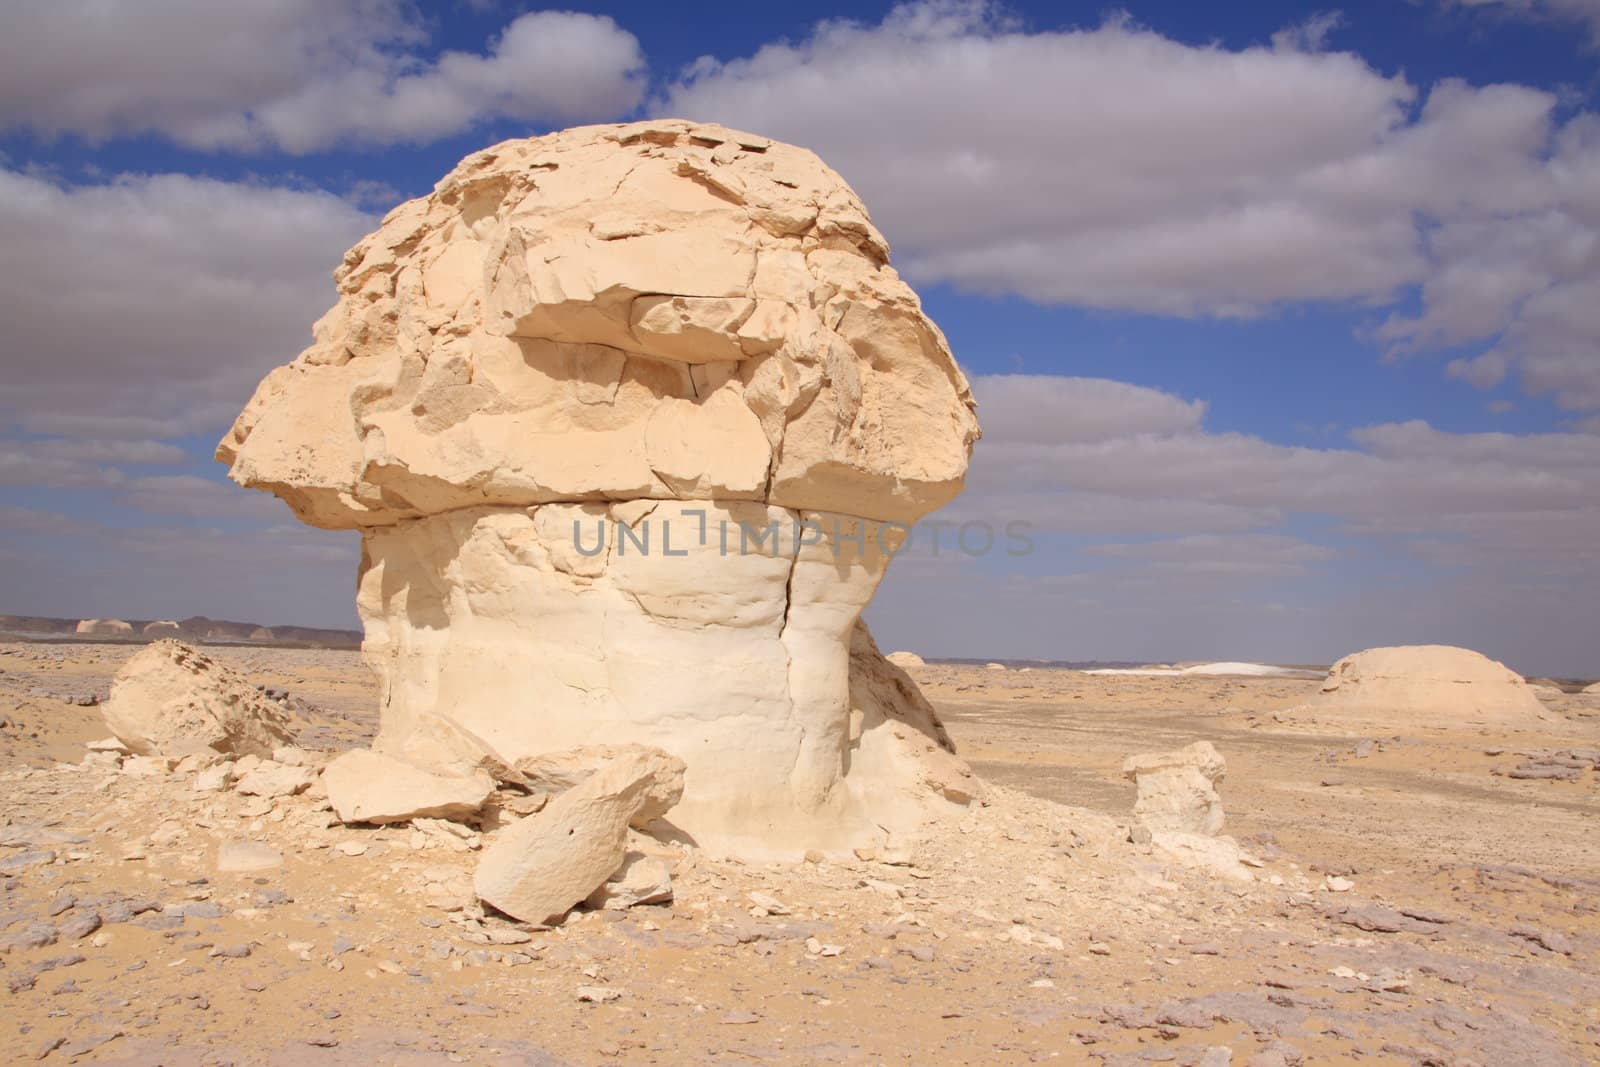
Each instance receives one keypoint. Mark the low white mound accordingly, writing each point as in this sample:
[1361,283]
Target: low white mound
[104,627]
[1255,670]
[1593,690]
[906,660]
[1423,685]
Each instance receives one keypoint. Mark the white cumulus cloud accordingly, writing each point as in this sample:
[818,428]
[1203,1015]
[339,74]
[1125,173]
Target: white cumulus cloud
[298,75]
[148,307]
[1111,167]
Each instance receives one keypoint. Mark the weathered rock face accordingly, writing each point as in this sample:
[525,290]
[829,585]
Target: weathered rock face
[1179,807]
[1424,684]
[656,311]
[540,867]
[368,787]
[629,417]
[170,699]
[1177,790]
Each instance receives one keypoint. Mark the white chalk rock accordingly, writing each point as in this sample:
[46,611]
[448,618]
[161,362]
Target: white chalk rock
[632,419]
[104,627]
[214,779]
[269,779]
[1177,790]
[540,867]
[171,699]
[1220,857]
[368,787]
[906,660]
[641,879]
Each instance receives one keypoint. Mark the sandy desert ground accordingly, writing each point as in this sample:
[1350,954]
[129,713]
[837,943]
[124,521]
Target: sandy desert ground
[1416,903]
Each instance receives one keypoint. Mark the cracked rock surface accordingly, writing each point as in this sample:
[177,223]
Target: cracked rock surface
[632,419]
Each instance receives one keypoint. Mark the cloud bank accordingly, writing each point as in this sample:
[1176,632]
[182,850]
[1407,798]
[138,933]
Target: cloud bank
[298,75]
[1115,168]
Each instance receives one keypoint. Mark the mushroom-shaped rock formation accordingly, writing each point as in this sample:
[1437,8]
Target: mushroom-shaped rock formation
[632,418]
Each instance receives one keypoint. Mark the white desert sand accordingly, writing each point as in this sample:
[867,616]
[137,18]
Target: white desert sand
[1252,670]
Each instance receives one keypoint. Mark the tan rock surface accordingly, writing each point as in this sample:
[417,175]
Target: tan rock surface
[1177,790]
[368,787]
[631,419]
[172,699]
[641,879]
[660,310]
[542,866]
[271,779]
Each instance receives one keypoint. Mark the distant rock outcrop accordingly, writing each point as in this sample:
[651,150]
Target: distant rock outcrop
[906,660]
[105,627]
[162,628]
[1422,685]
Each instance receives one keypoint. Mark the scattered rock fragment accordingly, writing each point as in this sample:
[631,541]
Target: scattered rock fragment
[641,879]
[1550,940]
[270,779]
[541,866]
[80,925]
[171,699]
[368,787]
[241,856]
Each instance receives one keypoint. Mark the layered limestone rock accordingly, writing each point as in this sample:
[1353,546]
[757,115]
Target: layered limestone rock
[1179,808]
[906,660]
[170,699]
[1422,685]
[1177,790]
[632,418]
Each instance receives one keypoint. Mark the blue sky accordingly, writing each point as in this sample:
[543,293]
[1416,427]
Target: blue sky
[1283,319]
